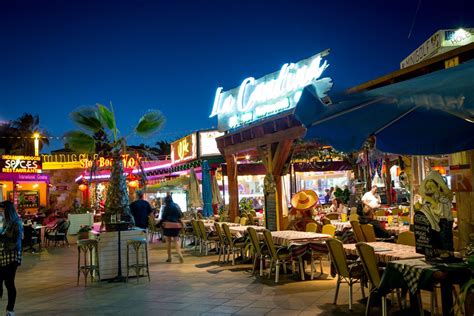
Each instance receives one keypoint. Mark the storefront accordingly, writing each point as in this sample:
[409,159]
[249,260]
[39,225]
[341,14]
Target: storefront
[23,182]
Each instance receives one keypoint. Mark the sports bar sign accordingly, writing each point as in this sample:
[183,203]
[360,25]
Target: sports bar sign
[20,164]
[256,99]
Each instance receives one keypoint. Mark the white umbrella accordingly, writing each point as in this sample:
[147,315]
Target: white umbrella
[194,194]
[216,193]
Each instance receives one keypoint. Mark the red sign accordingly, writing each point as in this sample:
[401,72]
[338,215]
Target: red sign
[461,178]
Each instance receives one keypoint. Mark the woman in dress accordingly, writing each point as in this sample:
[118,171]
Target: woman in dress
[10,253]
[171,224]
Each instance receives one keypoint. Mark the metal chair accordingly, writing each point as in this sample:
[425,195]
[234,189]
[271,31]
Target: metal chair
[233,244]
[312,227]
[347,272]
[406,238]
[90,264]
[137,244]
[369,233]
[259,253]
[359,236]
[206,238]
[278,256]
[222,241]
[329,229]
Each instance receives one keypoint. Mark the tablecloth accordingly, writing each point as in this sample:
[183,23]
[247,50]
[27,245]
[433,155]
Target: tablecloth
[386,252]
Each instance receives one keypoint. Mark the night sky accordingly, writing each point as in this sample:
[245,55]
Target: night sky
[172,55]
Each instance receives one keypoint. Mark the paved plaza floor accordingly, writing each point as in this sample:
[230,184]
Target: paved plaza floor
[46,285]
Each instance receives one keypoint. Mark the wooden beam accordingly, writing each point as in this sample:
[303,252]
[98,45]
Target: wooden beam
[289,134]
[233,186]
[281,155]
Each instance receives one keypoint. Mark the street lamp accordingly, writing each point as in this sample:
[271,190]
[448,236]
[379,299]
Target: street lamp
[36,136]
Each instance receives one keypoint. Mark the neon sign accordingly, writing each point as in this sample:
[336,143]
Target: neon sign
[255,99]
[184,149]
[20,164]
[129,162]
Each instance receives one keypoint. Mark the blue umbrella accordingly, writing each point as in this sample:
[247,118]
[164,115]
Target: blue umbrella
[206,190]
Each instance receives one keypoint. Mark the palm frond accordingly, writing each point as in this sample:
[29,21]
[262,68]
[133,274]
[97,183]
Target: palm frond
[87,118]
[150,123]
[106,116]
[80,141]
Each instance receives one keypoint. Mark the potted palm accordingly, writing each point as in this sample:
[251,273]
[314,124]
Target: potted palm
[99,134]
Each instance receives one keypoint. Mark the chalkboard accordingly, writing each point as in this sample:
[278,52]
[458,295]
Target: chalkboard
[270,211]
[423,235]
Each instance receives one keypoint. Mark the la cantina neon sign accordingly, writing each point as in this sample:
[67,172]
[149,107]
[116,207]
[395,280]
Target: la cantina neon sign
[258,98]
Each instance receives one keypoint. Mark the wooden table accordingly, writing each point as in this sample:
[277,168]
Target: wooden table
[386,252]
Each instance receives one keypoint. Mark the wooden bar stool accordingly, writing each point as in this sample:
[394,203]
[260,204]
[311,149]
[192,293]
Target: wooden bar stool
[90,250]
[136,244]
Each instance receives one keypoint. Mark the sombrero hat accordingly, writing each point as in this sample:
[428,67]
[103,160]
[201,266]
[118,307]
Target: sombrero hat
[438,179]
[304,199]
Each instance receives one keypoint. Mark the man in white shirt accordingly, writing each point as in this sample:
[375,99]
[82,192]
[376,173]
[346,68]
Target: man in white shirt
[371,199]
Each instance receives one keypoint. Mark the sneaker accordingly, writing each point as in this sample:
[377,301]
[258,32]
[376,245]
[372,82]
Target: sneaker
[10,313]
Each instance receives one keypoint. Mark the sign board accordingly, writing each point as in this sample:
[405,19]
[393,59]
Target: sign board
[207,143]
[270,211]
[27,199]
[129,162]
[461,178]
[33,177]
[423,238]
[20,164]
[184,149]
[81,161]
[256,99]
[440,42]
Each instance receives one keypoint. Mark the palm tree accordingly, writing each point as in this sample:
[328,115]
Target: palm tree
[99,134]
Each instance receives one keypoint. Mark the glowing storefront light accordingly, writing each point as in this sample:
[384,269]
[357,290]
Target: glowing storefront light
[255,99]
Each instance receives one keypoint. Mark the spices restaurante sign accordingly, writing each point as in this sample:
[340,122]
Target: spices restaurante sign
[20,164]
[256,99]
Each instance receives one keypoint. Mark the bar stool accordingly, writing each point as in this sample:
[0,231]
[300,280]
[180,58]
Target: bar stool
[90,250]
[136,244]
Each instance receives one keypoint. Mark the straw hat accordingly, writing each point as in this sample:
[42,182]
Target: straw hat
[304,199]
[436,177]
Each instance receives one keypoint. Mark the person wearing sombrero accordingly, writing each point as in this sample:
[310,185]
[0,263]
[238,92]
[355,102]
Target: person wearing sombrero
[437,205]
[303,203]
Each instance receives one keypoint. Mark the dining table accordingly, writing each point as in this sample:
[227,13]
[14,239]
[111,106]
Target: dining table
[340,225]
[241,230]
[386,251]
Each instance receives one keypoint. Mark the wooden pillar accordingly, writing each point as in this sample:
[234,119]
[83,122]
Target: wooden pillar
[233,186]
[462,182]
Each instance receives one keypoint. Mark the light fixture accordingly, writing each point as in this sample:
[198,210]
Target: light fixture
[133,184]
[36,136]
[247,157]
[82,187]
[35,185]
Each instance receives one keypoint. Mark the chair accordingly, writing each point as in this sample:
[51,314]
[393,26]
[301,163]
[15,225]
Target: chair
[251,220]
[206,238]
[257,248]
[353,217]
[404,219]
[369,262]
[379,213]
[58,234]
[90,264]
[30,238]
[406,238]
[329,229]
[332,216]
[197,235]
[233,244]
[186,233]
[368,231]
[325,221]
[243,221]
[237,220]
[222,241]
[359,236]
[347,272]
[278,256]
[312,227]
[153,231]
[137,244]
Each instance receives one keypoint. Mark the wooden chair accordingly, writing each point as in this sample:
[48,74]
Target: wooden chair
[277,256]
[347,272]
[233,244]
[369,233]
[259,253]
[369,262]
[359,236]
[406,238]
[312,227]
[329,229]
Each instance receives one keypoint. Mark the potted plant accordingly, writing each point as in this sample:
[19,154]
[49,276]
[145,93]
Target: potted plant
[99,135]
[83,232]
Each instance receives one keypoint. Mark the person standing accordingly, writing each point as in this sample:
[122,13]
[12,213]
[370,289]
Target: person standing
[140,210]
[171,224]
[10,253]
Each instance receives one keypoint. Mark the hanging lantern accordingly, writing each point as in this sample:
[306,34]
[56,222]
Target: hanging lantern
[82,187]
[133,184]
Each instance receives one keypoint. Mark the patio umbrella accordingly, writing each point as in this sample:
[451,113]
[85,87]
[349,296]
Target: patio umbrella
[216,193]
[206,190]
[430,114]
[194,195]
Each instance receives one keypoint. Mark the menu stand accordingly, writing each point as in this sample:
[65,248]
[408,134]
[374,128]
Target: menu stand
[119,227]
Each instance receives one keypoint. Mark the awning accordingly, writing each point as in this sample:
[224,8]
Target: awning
[431,114]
